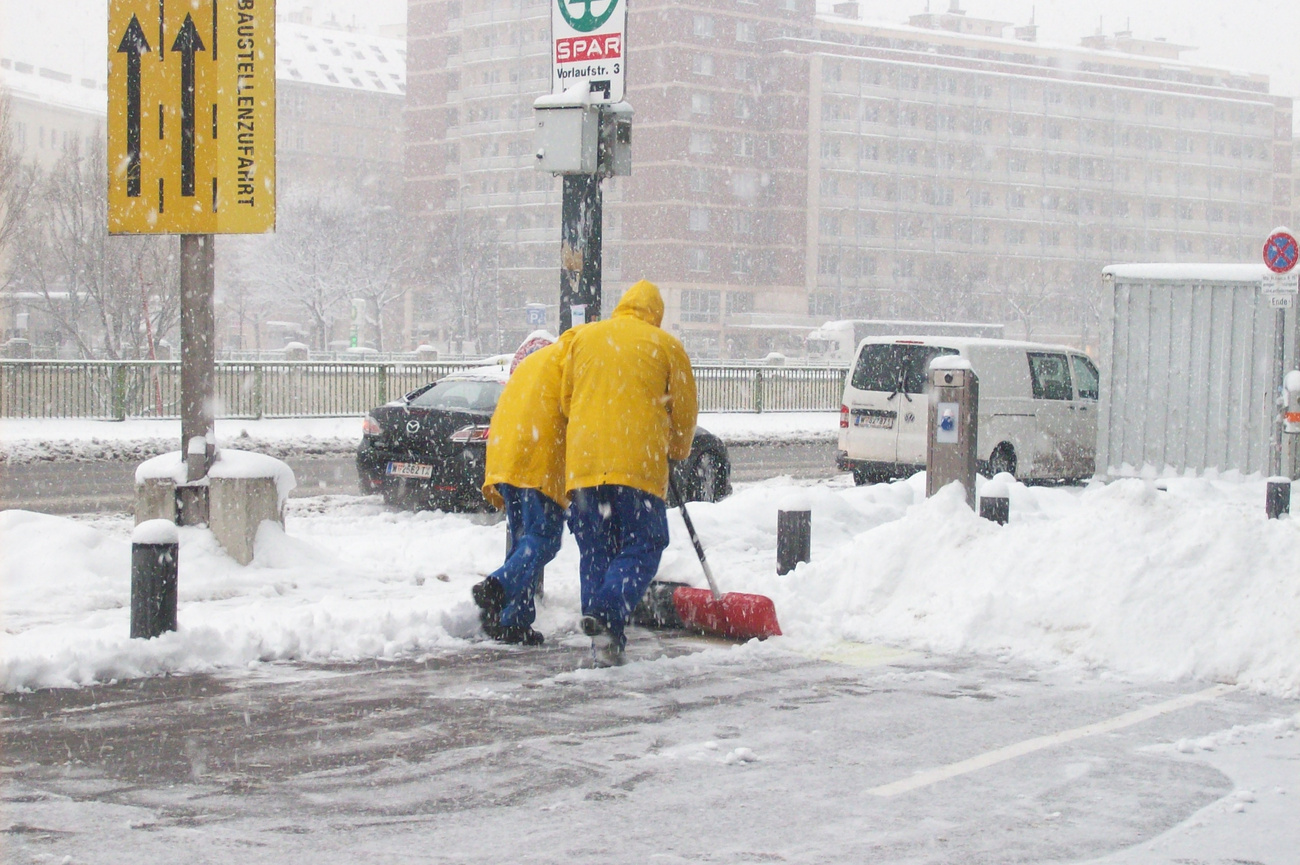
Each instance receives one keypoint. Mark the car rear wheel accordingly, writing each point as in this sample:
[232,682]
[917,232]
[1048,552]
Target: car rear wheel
[708,478]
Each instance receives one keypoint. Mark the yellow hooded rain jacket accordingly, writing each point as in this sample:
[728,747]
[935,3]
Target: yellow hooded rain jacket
[629,394]
[525,445]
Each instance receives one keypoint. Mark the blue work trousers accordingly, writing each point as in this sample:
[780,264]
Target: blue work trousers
[535,524]
[621,533]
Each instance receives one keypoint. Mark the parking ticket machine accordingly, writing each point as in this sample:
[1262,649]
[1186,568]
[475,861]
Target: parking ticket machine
[954,416]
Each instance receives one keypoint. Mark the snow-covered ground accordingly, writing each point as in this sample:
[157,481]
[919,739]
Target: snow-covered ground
[1135,581]
[1189,581]
[30,440]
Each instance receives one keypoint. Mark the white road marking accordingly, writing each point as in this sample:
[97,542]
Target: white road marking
[1010,752]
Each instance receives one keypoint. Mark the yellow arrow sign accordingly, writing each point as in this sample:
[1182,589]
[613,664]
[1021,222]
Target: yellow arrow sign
[191,116]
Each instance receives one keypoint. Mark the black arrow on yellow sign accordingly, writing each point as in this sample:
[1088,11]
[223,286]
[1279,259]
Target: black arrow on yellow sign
[133,45]
[187,42]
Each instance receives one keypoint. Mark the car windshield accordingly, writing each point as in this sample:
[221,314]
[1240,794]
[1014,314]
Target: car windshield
[894,367]
[465,395]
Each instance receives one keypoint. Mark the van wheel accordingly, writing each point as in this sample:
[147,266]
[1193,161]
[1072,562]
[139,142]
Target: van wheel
[862,477]
[1003,459]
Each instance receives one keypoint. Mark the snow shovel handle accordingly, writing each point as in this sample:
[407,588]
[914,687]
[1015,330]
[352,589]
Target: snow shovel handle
[695,539]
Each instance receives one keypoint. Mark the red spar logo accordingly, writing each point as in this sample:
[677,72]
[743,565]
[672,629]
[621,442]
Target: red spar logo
[579,48]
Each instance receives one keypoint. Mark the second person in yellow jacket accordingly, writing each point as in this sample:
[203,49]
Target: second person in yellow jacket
[524,475]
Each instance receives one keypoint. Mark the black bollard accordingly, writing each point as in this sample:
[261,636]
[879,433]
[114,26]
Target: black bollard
[1277,499]
[793,539]
[995,508]
[154,561]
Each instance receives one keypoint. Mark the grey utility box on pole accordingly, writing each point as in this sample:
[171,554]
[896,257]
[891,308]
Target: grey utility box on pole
[953,427]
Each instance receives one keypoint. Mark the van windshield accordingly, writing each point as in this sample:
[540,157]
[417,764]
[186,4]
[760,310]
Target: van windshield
[895,367]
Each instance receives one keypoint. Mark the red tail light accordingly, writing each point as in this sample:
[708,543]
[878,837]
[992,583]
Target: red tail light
[371,427]
[844,417]
[470,434]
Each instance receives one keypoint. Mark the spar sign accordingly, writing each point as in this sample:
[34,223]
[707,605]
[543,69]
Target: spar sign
[589,47]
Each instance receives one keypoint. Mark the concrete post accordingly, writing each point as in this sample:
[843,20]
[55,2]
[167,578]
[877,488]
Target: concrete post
[237,508]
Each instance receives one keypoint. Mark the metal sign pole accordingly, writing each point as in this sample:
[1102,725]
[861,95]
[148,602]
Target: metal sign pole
[198,353]
[580,222]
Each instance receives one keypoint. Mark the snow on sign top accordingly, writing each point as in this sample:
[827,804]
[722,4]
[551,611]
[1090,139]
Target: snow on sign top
[1281,251]
[589,47]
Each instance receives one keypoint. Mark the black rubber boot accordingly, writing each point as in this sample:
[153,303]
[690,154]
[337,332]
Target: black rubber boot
[491,600]
[522,635]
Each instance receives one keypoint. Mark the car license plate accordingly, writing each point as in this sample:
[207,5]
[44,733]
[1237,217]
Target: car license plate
[410,470]
[874,419]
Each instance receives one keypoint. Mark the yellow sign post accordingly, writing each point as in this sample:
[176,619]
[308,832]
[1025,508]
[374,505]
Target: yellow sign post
[191,119]
[191,151]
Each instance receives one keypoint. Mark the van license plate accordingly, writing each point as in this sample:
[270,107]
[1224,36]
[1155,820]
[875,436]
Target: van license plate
[410,470]
[874,419]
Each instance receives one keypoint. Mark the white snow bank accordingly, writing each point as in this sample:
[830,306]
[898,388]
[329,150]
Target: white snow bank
[1188,581]
[32,440]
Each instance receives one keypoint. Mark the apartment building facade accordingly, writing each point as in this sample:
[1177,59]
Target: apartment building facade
[791,168]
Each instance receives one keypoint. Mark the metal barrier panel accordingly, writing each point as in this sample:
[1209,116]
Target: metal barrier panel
[107,390]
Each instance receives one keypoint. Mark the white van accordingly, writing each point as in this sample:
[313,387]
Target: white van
[1037,407]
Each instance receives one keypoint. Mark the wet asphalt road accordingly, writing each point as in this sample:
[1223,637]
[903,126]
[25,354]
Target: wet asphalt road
[107,486]
[489,755]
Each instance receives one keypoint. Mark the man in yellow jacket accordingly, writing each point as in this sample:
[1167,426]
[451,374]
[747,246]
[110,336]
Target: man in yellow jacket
[524,475]
[629,393]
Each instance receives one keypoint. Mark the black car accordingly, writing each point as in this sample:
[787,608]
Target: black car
[427,449]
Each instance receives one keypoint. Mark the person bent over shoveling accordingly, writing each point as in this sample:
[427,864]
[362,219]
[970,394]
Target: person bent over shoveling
[524,475]
[629,394]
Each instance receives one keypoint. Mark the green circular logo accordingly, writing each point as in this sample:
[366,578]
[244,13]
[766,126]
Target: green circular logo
[588,20]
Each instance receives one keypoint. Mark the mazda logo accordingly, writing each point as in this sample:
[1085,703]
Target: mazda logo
[412,426]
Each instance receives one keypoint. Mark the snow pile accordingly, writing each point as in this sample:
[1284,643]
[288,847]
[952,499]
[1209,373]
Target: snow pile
[1186,581]
[72,440]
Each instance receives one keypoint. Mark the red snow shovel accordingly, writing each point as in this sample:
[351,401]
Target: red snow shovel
[735,615]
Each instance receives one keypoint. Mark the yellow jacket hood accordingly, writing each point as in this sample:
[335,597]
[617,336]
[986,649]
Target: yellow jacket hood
[643,301]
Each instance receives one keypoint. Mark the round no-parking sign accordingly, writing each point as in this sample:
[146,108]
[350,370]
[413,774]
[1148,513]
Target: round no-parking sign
[1281,251]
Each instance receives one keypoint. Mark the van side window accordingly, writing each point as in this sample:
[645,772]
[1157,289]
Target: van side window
[1051,376]
[895,367]
[1085,377]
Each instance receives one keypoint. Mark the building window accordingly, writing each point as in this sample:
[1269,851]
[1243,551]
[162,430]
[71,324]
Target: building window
[740,302]
[698,260]
[701,306]
[830,224]
[702,64]
[1153,209]
[699,219]
[867,226]
[699,180]
[701,142]
[701,103]
[821,303]
[746,31]
[1016,236]
[743,109]
[744,70]
[704,26]
[828,264]
[866,266]
[741,263]
[744,222]
[745,146]
[830,148]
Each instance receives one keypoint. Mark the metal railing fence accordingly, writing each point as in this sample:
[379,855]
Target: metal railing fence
[117,390]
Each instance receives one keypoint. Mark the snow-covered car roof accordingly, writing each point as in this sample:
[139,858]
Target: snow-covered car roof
[498,371]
